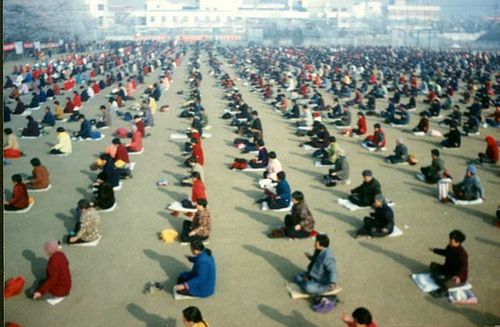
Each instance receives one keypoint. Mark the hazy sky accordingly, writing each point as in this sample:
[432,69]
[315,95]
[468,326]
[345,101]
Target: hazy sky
[450,7]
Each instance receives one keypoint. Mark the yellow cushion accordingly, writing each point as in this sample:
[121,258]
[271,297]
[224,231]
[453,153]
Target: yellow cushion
[168,235]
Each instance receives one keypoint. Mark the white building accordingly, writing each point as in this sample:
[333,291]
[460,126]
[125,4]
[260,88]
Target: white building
[401,11]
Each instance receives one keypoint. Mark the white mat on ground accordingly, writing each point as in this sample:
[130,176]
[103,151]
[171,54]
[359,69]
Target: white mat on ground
[178,136]
[40,189]
[178,296]
[31,137]
[28,208]
[206,136]
[110,209]
[88,244]
[352,207]
[177,206]
[464,202]
[263,183]
[253,169]
[95,140]
[55,300]
[118,187]
[135,153]
[425,282]
[207,128]
[131,166]
[396,232]
[265,207]
[319,164]
[296,292]
[307,147]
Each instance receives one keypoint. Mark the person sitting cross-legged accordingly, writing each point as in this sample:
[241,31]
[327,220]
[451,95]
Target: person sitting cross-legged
[380,223]
[321,274]
[88,227]
[454,272]
[400,153]
[20,198]
[299,223]
[199,227]
[364,195]
[200,281]
[278,198]
[339,172]
[433,173]
[470,188]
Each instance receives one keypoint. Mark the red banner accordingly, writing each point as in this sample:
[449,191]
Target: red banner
[9,46]
[28,45]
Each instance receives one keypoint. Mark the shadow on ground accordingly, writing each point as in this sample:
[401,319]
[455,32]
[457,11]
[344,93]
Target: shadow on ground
[295,318]
[150,319]
[282,265]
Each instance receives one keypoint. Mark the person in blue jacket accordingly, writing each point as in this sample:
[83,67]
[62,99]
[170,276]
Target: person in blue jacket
[321,274]
[281,199]
[85,128]
[200,281]
[48,118]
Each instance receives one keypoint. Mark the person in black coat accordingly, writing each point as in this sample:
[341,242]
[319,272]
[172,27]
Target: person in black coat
[32,130]
[380,223]
[364,195]
[105,196]
[453,137]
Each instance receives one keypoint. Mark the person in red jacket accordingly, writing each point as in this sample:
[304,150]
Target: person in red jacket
[20,198]
[139,123]
[361,317]
[58,280]
[362,128]
[135,144]
[198,152]
[491,154]
[121,152]
[77,101]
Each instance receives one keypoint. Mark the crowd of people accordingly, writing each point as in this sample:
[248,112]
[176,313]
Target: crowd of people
[294,82]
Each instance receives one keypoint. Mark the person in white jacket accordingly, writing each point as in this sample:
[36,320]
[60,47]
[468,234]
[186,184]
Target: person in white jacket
[63,145]
[273,167]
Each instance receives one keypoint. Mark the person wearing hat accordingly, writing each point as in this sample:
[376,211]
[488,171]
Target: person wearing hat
[321,274]
[470,188]
[400,153]
[200,281]
[339,172]
[63,145]
[364,195]
[57,284]
[380,223]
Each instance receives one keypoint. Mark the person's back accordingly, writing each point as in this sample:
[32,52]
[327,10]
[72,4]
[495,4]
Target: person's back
[342,168]
[58,282]
[90,228]
[40,177]
[283,192]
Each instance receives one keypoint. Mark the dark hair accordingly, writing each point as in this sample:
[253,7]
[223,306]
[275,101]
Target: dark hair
[16,178]
[362,316]
[435,152]
[361,114]
[457,235]
[260,142]
[272,155]
[255,113]
[7,131]
[83,204]
[281,175]
[193,314]
[105,156]
[202,202]
[102,107]
[333,138]
[35,162]
[195,174]
[60,129]
[81,117]
[377,125]
[199,246]
[323,240]
[30,118]
[56,102]
[48,108]
[298,196]
[116,141]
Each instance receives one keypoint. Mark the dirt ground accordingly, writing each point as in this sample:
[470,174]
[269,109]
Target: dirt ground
[108,279]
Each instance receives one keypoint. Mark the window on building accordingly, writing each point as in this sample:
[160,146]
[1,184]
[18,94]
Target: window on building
[101,21]
[152,19]
[100,7]
[163,19]
[343,9]
[142,21]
